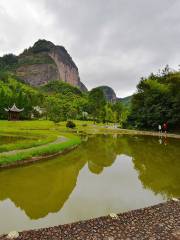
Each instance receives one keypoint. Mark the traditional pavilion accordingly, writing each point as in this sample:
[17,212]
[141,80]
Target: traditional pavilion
[13,113]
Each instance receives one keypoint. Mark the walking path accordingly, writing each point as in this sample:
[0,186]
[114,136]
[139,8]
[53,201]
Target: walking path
[58,140]
[148,133]
[161,222]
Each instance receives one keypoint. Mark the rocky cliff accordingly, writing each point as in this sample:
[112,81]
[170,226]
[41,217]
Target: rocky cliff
[45,62]
[109,93]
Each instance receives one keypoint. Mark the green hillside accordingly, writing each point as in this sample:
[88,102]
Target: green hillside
[55,87]
[126,101]
[13,91]
[58,99]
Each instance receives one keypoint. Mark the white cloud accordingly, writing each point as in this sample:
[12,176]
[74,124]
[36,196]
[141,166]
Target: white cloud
[112,42]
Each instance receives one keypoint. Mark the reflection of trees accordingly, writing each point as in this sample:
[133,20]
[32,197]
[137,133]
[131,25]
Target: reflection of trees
[99,152]
[41,188]
[158,165]
[44,187]
[94,168]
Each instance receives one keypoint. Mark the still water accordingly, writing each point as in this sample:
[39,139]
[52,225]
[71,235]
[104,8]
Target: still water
[105,174]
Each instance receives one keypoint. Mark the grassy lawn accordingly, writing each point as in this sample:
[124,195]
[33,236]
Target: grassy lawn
[34,137]
[38,138]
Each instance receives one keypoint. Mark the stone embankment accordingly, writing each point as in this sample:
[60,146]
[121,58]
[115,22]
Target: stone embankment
[161,222]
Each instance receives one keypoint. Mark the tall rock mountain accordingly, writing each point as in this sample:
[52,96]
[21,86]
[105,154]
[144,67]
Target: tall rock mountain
[109,93]
[45,62]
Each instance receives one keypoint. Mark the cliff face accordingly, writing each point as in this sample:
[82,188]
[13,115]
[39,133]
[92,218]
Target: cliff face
[67,69]
[37,74]
[45,62]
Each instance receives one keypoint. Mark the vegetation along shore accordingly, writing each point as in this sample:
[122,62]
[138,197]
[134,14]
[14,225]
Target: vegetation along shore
[37,140]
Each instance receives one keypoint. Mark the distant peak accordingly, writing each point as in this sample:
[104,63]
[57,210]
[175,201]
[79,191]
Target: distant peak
[42,45]
[108,92]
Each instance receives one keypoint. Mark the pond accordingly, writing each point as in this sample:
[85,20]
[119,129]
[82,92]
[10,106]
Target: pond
[104,174]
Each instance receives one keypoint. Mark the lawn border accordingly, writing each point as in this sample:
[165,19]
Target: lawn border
[37,154]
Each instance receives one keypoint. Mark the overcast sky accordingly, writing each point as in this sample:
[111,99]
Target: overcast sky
[113,42]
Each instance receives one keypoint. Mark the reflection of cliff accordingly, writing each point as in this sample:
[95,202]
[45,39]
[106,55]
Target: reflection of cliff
[44,187]
[41,188]
[100,152]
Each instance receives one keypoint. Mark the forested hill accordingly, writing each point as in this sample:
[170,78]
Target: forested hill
[56,100]
[59,100]
[60,87]
[109,93]
[126,101]
[13,91]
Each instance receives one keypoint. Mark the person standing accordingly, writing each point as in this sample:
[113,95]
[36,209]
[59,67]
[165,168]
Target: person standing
[159,128]
[165,127]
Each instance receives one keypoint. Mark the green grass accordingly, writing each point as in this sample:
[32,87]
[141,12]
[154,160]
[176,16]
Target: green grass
[26,143]
[43,150]
[39,137]
[34,133]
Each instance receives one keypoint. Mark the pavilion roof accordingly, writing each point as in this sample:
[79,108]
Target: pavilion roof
[13,109]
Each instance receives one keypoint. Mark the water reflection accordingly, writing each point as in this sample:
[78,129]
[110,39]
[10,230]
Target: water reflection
[44,187]
[163,139]
[41,188]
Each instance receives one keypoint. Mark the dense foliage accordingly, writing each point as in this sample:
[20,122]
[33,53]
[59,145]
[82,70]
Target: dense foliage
[42,46]
[157,101]
[57,101]
[8,62]
[55,87]
[70,124]
[13,91]
[96,104]
[63,101]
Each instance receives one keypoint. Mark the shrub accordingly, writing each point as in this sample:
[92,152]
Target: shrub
[70,124]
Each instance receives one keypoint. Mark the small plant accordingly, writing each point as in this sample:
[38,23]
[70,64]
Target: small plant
[70,124]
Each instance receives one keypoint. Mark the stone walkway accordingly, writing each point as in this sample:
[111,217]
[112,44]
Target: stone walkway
[159,222]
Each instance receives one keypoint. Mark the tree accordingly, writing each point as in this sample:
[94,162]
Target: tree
[118,108]
[12,91]
[55,109]
[109,117]
[97,104]
[157,101]
[8,62]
